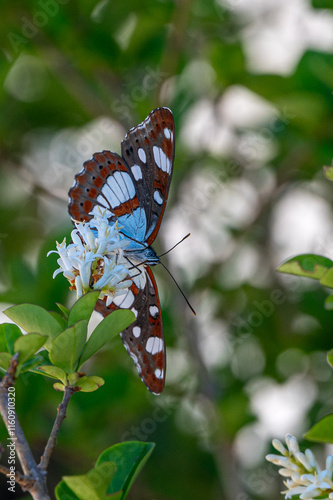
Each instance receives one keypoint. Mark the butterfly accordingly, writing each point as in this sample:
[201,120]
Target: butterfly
[134,188]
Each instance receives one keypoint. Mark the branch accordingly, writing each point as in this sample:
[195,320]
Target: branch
[9,378]
[22,447]
[25,481]
[34,478]
[62,408]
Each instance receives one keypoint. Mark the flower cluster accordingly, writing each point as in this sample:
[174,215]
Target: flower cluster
[94,260]
[305,478]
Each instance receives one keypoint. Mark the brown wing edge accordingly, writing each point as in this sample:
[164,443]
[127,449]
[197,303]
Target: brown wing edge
[146,297]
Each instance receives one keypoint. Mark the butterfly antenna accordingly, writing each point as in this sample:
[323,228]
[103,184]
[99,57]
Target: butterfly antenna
[176,245]
[181,291]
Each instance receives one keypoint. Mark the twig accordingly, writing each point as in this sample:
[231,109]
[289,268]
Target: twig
[9,378]
[35,479]
[62,408]
[25,481]
[22,448]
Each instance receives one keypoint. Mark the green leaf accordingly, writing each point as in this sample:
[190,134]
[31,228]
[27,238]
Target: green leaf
[83,308]
[8,335]
[35,319]
[27,345]
[322,431]
[129,458]
[327,278]
[330,357]
[43,360]
[67,347]
[89,384]
[328,171]
[59,387]
[54,372]
[74,377]
[93,485]
[61,320]
[329,303]
[63,309]
[31,364]
[63,492]
[307,265]
[5,358]
[105,331]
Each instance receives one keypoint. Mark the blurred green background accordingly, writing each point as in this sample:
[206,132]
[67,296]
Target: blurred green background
[250,85]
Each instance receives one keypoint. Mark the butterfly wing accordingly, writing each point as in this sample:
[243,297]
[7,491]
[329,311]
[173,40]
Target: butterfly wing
[106,182]
[144,339]
[149,150]
[134,189]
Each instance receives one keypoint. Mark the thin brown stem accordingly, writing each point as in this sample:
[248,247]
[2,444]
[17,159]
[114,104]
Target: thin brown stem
[9,378]
[25,481]
[34,479]
[62,408]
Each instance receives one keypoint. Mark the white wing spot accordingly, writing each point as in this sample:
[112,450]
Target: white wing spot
[159,373]
[125,300]
[134,311]
[137,172]
[158,198]
[161,159]
[167,133]
[111,197]
[153,311]
[102,200]
[154,345]
[142,155]
[119,188]
[136,331]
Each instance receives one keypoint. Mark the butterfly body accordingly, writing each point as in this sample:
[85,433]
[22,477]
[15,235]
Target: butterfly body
[133,189]
[144,256]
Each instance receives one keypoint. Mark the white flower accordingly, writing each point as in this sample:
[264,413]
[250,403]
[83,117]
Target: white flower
[305,478]
[94,260]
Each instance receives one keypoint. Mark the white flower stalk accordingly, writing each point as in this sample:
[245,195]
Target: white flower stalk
[94,259]
[305,477]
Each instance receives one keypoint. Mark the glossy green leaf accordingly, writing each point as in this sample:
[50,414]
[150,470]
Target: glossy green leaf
[35,319]
[9,333]
[330,357]
[5,358]
[67,347]
[329,303]
[63,492]
[129,458]
[61,320]
[59,387]
[93,485]
[54,372]
[26,346]
[328,171]
[83,308]
[43,360]
[89,384]
[307,265]
[322,431]
[31,364]
[106,330]
[327,278]
[63,309]
[73,378]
